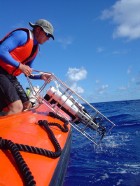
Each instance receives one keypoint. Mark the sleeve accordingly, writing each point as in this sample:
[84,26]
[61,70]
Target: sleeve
[35,76]
[16,39]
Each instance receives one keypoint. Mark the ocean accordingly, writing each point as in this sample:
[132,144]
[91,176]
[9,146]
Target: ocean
[116,161]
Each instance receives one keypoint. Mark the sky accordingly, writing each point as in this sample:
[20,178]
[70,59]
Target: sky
[96,50]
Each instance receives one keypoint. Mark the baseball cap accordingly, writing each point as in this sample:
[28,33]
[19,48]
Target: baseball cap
[45,25]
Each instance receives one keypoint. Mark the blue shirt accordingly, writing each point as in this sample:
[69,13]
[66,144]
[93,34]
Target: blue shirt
[16,39]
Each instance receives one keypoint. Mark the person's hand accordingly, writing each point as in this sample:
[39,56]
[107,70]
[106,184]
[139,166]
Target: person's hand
[27,105]
[25,69]
[47,77]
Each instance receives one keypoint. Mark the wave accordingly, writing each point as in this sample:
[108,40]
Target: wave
[125,119]
[131,124]
[120,116]
[116,160]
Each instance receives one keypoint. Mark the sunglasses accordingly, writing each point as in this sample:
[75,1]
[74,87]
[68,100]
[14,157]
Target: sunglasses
[48,35]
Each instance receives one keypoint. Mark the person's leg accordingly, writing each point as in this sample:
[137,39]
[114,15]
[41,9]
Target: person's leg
[21,93]
[15,107]
[8,96]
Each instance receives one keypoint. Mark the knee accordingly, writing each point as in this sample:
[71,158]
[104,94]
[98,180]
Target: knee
[16,107]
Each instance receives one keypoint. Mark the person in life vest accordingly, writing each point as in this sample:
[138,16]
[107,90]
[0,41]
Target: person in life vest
[32,94]
[28,91]
[18,49]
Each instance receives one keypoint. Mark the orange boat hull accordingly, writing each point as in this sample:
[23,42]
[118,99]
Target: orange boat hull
[23,128]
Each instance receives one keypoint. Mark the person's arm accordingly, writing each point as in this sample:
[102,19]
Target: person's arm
[16,39]
[35,76]
[44,76]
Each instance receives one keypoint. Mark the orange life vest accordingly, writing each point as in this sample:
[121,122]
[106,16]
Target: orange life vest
[23,54]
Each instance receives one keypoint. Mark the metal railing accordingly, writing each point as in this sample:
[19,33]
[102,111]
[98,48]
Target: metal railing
[82,115]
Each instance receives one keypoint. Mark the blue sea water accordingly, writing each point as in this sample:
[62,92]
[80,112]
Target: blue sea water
[116,162]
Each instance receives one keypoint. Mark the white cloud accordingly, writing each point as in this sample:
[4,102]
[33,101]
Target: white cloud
[100,49]
[138,79]
[77,88]
[133,79]
[129,70]
[102,89]
[123,88]
[97,81]
[65,42]
[75,74]
[116,52]
[125,14]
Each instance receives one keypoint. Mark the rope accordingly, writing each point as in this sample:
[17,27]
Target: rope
[15,148]
[21,164]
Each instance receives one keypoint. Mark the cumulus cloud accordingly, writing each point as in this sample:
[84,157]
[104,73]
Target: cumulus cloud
[137,79]
[102,89]
[65,42]
[133,79]
[74,75]
[125,15]
[129,70]
[100,49]
[77,88]
[123,88]
[97,81]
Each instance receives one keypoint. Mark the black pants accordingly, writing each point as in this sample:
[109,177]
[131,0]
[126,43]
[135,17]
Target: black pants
[10,89]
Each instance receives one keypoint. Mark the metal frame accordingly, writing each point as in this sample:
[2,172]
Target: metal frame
[94,131]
